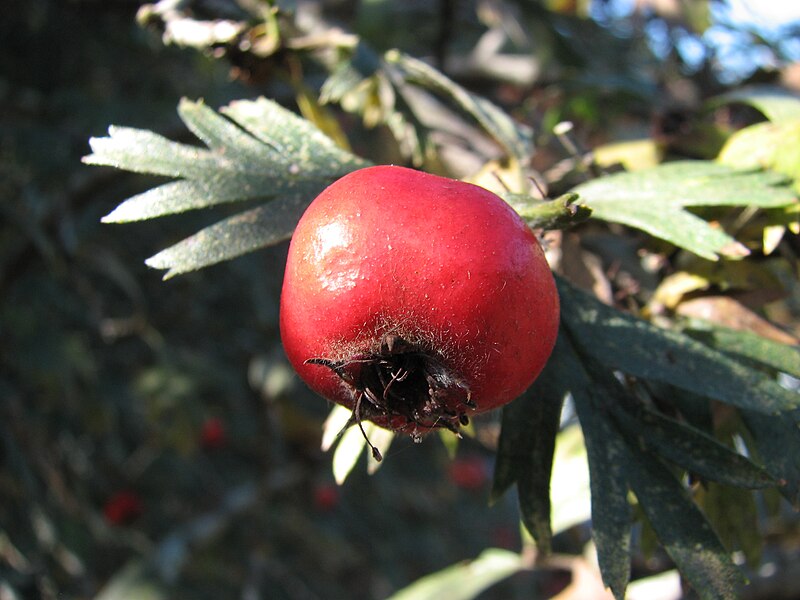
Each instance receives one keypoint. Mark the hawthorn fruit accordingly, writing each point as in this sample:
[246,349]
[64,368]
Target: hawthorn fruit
[416,300]
[123,507]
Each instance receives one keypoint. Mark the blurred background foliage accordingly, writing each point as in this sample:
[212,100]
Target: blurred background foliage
[153,441]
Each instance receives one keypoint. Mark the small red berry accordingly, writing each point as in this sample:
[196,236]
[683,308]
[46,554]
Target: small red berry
[326,497]
[123,507]
[416,300]
[213,434]
[469,473]
[505,537]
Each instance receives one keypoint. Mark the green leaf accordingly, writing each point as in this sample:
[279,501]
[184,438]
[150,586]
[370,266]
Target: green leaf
[233,147]
[147,152]
[776,103]
[633,346]
[749,345]
[777,442]
[654,200]
[526,447]
[255,150]
[773,146]
[242,233]
[690,448]
[135,581]
[611,513]
[515,138]
[466,580]
[694,409]
[304,148]
[180,196]
[733,514]
[681,528]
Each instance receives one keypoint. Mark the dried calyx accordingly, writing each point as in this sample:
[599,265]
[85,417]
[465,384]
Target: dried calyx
[402,381]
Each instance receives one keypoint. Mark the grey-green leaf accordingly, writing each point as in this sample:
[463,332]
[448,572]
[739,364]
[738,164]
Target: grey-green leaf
[690,448]
[682,529]
[606,451]
[256,150]
[776,103]
[515,138]
[526,447]
[182,195]
[777,442]
[304,148]
[244,232]
[749,345]
[147,152]
[224,137]
[643,350]
[654,200]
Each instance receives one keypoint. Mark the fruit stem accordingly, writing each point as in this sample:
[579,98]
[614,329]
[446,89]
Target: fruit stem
[560,213]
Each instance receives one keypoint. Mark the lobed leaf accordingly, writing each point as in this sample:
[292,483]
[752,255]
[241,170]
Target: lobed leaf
[147,152]
[693,408]
[225,139]
[304,148]
[654,200]
[733,514]
[606,452]
[690,448]
[748,345]
[625,343]
[682,528]
[526,447]
[776,103]
[777,442]
[515,138]
[242,233]
[672,224]
[255,150]
[181,196]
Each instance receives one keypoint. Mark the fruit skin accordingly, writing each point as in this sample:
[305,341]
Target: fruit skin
[441,268]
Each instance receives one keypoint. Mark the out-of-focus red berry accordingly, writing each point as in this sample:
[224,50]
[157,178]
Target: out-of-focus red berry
[213,434]
[504,537]
[123,507]
[469,472]
[326,497]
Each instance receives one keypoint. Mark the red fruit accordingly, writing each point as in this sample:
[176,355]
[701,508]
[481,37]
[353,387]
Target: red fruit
[416,300]
[469,473]
[123,507]
[212,435]
[326,497]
